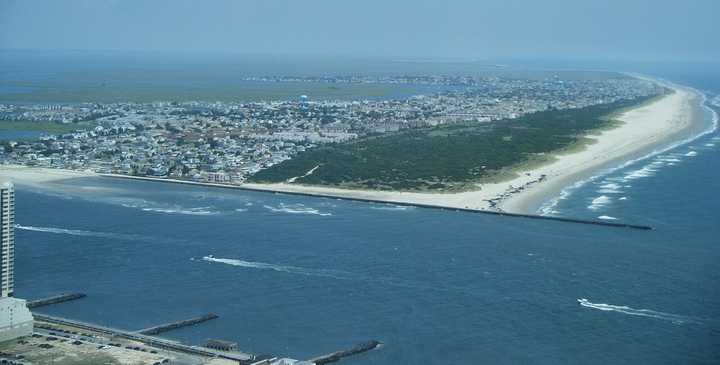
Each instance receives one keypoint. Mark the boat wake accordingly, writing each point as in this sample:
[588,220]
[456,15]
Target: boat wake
[83,233]
[677,319]
[296,209]
[335,274]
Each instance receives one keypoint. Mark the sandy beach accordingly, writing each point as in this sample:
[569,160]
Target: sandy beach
[644,127]
[37,176]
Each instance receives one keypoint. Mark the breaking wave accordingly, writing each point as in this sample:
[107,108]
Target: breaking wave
[186,211]
[336,274]
[645,171]
[296,209]
[392,207]
[155,207]
[677,319]
[610,188]
[549,207]
[599,202]
[607,217]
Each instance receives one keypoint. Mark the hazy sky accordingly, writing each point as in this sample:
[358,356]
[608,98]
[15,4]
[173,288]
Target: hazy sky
[584,29]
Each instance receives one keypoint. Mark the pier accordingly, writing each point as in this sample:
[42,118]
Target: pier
[240,357]
[156,330]
[378,201]
[54,300]
[338,355]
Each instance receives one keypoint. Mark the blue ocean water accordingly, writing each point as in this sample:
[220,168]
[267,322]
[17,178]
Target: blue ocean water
[299,277]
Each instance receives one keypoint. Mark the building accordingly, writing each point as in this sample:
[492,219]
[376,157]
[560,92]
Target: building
[15,318]
[221,345]
[7,246]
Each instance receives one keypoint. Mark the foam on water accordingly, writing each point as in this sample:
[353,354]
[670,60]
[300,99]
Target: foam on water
[178,210]
[296,209]
[646,171]
[610,188]
[392,207]
[156,207]
[691,154]
[607,217]
[677,319]
[599,202]
[336,274]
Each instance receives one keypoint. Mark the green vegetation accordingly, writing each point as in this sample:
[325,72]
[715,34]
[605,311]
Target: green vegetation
[445,158]
[48,127]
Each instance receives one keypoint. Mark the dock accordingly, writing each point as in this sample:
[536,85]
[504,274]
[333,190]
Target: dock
[54,300]
[240,357]
[156,330]
[338,355]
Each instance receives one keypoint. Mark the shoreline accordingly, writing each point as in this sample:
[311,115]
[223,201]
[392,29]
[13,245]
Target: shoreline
[661,124]
[542,201]
[37,177]
[674,117]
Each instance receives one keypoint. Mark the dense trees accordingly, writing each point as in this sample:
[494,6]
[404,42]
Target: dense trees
[445,157]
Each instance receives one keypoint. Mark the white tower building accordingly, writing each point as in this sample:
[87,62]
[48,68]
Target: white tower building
[7,233]
[15,318]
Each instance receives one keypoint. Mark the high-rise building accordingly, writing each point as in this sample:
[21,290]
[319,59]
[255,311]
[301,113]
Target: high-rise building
[15,318]
[7,236]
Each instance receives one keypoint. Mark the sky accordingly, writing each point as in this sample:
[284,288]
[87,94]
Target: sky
[478,29]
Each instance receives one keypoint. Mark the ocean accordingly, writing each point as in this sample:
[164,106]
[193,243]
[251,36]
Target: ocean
[299,276]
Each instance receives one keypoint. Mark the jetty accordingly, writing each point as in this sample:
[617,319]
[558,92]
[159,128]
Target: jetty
[54,300]
[338,355]
[242,358]
[378,201]
[156,330]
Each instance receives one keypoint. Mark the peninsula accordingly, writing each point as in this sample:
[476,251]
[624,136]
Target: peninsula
[586,130]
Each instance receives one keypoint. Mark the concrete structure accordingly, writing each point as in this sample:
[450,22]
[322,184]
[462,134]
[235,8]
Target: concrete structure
[15,317]
[221,345]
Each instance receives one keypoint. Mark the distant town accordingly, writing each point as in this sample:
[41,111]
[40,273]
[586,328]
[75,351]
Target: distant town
[225,142]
